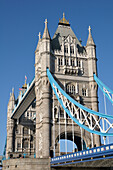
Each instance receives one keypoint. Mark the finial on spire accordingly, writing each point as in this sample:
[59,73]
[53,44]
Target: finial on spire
[63,15]
[89,29]
[25,85]
[80,41]
[12,90]
[46,22]
[63,21]
[39,35]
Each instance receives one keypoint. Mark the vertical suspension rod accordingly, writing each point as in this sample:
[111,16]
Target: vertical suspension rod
[104,138]
[53,126]
[81,130]
[73,131]
[65,123]
[65,133]
[106,114]
[59,126]
[91,120]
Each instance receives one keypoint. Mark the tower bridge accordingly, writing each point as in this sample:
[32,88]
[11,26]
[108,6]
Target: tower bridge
[60,103]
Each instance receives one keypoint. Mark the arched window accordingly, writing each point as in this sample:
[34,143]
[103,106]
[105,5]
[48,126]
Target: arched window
[84,92]
[66,48]
[25,143]
[56,112]
[78,63]
[67,63]
[72,62]
[60,61]
[25,130]
[72,49]
[70,89]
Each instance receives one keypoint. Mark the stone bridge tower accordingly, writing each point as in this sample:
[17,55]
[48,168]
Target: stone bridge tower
[73,66]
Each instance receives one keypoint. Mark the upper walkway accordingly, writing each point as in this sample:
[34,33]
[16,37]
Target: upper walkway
[26,99]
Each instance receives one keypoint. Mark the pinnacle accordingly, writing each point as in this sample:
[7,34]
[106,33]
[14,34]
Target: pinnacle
[46,34]
[90,40]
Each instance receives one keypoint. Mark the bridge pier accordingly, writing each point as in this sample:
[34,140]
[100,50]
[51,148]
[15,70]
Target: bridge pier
[44,164]
[26,164]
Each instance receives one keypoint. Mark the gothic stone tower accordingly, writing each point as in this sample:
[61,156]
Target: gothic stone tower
[73,66]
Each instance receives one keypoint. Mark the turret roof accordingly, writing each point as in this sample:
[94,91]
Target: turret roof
[46,34]
[90,40]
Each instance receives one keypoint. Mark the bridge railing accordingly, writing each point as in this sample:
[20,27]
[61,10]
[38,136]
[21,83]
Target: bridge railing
[102,152]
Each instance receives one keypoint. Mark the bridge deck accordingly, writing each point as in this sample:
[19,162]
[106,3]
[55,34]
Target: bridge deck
[95,154]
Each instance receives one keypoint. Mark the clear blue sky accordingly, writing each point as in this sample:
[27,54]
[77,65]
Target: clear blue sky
[20,23]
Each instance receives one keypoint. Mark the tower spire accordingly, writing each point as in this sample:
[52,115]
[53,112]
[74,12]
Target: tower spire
[90,40]
[46,34]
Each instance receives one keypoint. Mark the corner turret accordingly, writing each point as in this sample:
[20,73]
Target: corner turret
[10,125]
[11,102]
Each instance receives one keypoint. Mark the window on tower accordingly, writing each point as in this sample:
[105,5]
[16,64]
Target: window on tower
[60,62]
[84,92]
[66,48]
[78,63]
[70,89]
[72,49]
[72,62]
[25,144]
[25,130]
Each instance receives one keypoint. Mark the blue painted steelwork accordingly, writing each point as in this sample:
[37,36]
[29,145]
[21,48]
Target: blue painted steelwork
[4,152]
[53,82]
[97,153]
[106,90]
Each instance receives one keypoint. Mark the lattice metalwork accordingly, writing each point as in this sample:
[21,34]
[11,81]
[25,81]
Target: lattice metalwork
[84,117]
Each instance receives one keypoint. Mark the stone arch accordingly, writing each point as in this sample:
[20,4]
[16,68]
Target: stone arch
[77,136]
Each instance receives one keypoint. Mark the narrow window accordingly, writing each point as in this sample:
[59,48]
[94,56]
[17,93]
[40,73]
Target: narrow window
[58,61]
[78,63]
[72,50]
[67,62]
[25,130]
[66,49]
[61,62]
[27,114]
[25,144]
[18,145]
[73,63]
[84,92]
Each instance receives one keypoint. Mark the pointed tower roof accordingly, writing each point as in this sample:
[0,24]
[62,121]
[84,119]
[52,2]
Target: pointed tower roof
[90,40]
[63,31]
[12,96]
[46,34]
